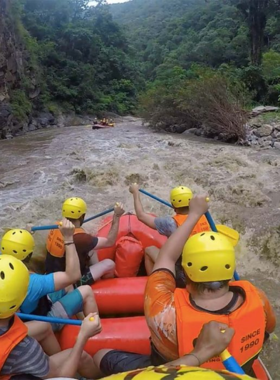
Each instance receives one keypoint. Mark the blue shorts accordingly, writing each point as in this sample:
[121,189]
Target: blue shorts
[65,305]
[117,361]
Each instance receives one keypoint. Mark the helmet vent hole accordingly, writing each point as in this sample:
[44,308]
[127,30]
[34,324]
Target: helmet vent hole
[3,248]
[12,307]
[212,237]
[79,211]
[20,232]
[11,266]
[203,269]
[72,212]
[15,251]
[189,264]
[14,232]
[2,275]
[179,201]
[202,234]
[24,250]
[227,266]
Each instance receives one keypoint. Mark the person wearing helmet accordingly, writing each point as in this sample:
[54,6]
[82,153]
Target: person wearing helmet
[21,356]
[180,198]
[46,294]
[213,339]
[74,209]
[175,316]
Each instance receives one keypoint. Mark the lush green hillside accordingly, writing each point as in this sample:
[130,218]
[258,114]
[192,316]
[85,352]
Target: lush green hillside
[237,42]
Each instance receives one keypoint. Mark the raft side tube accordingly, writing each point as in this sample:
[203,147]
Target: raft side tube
[127,334]
[120,295]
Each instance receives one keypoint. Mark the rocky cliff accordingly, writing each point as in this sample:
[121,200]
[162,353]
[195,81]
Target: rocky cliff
[17,99]
[13,58]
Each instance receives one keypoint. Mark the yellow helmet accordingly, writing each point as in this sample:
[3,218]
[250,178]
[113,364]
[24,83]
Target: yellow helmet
[178,372]
[18,243]
[74,208]
[14,280]
[180,196]
[208,257]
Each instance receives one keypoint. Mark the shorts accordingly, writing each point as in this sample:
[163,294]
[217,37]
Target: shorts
[116,361]
[65,305]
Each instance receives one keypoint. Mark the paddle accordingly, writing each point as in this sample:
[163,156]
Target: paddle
[230,363]
[229,231]
[55,226]
[29,317]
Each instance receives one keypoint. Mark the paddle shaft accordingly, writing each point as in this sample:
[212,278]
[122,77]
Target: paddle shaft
[30,317]
[230,363]
[208,217]
[55,226]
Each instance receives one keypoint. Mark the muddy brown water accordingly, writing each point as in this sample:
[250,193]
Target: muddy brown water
[39,170]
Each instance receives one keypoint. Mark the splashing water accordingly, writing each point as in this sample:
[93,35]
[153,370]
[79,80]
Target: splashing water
[39,170]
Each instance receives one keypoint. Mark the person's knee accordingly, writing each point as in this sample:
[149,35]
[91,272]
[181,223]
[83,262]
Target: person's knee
[152,250]
[86,291]
[85,360]
[109,265]
[97,358]
[46,329]
[49,330]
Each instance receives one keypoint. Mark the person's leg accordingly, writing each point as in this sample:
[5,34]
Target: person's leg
[89,303]
[81,299]
[68,306]
[151,254]
[115,361]
[86,367]
[43,333]
[104,269]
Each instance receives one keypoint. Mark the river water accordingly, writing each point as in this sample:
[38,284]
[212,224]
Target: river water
[41,169]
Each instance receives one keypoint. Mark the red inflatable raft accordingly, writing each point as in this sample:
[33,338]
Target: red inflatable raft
[125,295]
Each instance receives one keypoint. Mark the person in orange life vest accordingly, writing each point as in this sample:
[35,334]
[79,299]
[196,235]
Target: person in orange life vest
[213,339]
[175,316]
[21,354]
[180,198]
[74,209]
[42,296]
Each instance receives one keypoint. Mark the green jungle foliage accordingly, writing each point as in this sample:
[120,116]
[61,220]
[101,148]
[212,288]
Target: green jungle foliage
[80,55]
[180,44]
[98,59]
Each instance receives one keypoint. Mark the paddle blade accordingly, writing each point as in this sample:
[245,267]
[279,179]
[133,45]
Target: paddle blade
[230,233]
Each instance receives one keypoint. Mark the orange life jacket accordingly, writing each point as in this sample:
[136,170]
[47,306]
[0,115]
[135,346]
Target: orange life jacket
[55,242]
[202,224]
[9,340]
[248,322]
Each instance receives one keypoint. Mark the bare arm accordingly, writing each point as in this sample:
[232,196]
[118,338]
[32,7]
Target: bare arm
[67,366]
[213,339]
[113,233]
[145,218]
[173,248]
[72,269]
